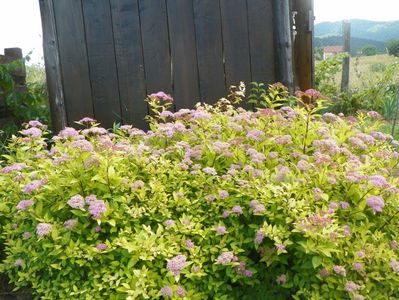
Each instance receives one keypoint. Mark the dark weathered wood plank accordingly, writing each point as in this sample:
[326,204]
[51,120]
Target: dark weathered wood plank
[154,30]
[183,53]
[53,66]
[261,37]
[102,63]
[303,44]
[283,43]
[208,29]
[129,58]
[73,59]
[235,41]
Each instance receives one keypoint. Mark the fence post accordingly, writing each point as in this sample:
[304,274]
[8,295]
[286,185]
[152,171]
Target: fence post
[303,43]
[346,25]
[283,41]
[52,63]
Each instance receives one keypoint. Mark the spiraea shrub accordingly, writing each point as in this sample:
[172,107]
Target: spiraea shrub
[211,203]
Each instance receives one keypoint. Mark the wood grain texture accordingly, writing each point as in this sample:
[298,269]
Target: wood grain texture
[53,65]
[261,37]
[154,30]
[235,41]
[183,53]
[102,62]
[130,63]
[208,30]
[72,49]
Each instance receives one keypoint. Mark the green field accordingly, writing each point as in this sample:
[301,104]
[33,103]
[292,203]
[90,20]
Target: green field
[364,70]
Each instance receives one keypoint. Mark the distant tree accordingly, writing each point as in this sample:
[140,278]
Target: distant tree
[369,50]
[393,47]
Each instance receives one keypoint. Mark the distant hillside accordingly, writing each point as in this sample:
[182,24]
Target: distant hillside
[356,43]
[364,29]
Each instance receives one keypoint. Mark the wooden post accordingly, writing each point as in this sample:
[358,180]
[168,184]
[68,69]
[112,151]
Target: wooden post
[52,63]
[303,44]
[346,26]
[283,43]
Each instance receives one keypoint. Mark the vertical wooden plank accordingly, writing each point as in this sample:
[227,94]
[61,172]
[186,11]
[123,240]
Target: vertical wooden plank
[183,53]
[303,43]
[208,30]
[129,58]
[52,62]
[154,31]
[73,59]
[102,64]
[261,38]
[283,43]
[235,41]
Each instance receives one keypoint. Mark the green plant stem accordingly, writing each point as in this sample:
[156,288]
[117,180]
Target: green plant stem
[306,133]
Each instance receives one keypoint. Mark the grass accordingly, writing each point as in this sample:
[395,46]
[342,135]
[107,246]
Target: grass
[364,70]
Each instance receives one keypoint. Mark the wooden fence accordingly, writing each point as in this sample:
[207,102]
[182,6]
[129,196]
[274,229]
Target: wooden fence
[104,56]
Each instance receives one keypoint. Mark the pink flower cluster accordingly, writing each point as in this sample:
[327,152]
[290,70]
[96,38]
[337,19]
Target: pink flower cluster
[34,185]
[226,258]
[176,264]
[43,229]
[76,202]
[376,203]
[24,204]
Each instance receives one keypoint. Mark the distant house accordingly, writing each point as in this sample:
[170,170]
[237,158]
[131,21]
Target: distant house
[332,50]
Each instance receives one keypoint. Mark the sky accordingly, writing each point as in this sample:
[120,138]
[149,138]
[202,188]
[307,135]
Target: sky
[20,24]
[337,10]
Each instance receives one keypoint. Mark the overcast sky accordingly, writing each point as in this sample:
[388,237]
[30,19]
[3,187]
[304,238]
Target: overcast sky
[20,24]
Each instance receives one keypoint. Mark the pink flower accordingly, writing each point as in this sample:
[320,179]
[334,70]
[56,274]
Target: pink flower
[97,228]
[83,145]
[77,202]
[259,236]
[35,123]
[169,223]
[97,209]
[237,209]
[43,229]
[181,292]
[379,181]
[19,263]
[376,203]
[344,205]
[221,229]
[226,214]
[68,132]
[280,247]
[166,291]
[350,287]
[339,270]
[282,279]
[70,224]
[189,244]
[26,235]
[32,132]
[87,120]
[374,114]
[225,258]
[210,171]
[34,185]
[393,244]
[360,254]
[176,264]
[137,184]
[223,194]
[13,168]
[394,265]
[101,247]
[24,204]
[303,165]
[324,272]
[357,266]
[162,96]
